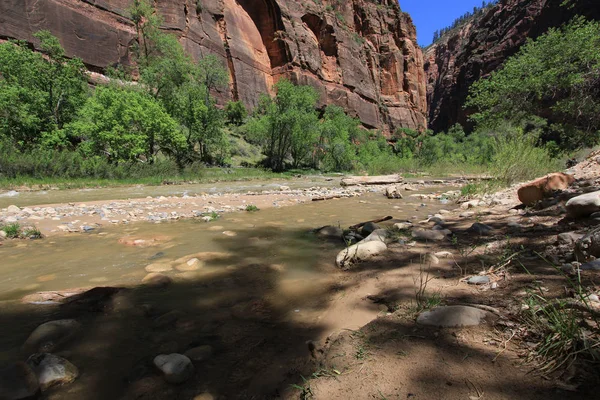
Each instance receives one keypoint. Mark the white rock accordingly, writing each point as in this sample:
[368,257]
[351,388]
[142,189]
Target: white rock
[52,370]
[359,252]
[176,368]
[13,209]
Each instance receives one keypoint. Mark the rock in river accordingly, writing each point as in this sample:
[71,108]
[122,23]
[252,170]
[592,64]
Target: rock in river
[51,334]
[359,252]
[175,367]
[52,370]
[453,317]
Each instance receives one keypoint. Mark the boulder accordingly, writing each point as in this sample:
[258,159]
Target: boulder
[584,205]
[13,209]
[49,335]
[52,370]
[18,382]
[534,191]
[453,317]
[176,368]
[359,252]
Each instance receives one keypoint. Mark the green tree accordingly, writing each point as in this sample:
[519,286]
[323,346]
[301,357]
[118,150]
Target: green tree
[236,112]
[287,125]
[337,151]
[126,124]
[555,77]
[183,87]
[39,93]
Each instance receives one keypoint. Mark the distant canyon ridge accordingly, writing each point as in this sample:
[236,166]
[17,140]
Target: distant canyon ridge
[361,55]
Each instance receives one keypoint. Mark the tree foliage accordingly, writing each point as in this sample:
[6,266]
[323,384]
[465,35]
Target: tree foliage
[126,124]
[555,77]
[39,93]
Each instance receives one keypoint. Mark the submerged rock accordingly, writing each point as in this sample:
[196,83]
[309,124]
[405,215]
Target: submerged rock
[155,279]
[176,368]
[359,252]
[49,335]
[453,317]
[18,382]
[52,370]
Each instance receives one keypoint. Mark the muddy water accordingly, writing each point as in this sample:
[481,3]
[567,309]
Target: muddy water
[28,198]
[255,304]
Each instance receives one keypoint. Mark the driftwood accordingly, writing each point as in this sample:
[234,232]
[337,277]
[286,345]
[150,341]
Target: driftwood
[358,226]
[371,180]
[331,197]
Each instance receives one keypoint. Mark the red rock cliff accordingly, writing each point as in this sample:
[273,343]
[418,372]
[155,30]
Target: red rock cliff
[479,47]
[361,55]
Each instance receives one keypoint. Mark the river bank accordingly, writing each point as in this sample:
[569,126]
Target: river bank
[256,302]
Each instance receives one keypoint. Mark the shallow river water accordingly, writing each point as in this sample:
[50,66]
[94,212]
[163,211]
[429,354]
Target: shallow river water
[263,283]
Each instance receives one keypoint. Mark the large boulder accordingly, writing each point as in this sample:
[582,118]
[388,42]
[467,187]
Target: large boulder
[52,370]
[175,367]
[18,382]
[359,252]
[584,205]
[534,191]
[49,335]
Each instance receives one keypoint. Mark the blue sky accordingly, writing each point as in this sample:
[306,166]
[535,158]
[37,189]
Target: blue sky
[431,15]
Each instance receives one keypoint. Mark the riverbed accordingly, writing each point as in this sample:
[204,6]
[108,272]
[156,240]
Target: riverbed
[262,286]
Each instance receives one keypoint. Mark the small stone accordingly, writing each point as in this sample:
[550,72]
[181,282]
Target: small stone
[200,353]
[591,266]
[478,280]
[467,214]
[403,225]
[434,235]
[453,317]
[204,396]
[52,370]
[176,368]
[284,188]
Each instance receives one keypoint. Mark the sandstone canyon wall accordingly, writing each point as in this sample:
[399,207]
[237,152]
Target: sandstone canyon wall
[480,46]
[359,54]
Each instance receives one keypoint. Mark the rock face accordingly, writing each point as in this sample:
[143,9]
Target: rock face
[480,47]
[361,55]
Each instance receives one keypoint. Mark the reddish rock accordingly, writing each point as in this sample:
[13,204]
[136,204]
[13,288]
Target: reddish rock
[480,47]
[536,190]
[360,55]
